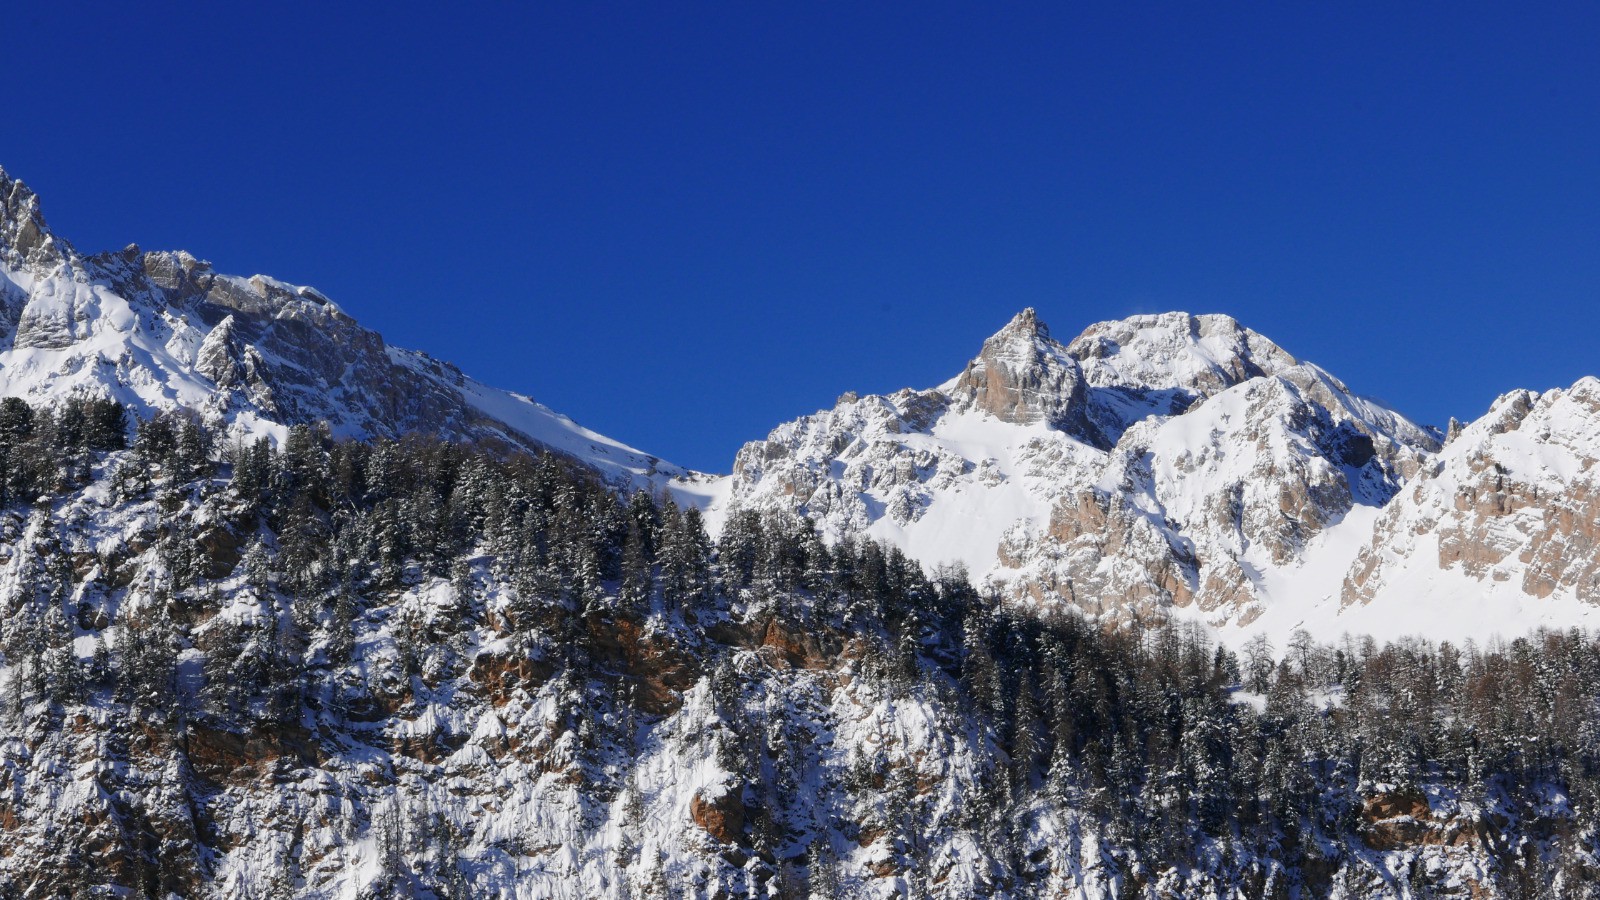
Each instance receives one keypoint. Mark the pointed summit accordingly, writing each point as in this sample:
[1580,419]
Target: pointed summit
[25,240]
[1026,324]
[1022,376]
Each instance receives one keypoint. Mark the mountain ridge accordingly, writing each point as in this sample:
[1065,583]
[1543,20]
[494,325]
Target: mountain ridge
[1177,465]
[1159,465]
[427,668]
[163,330]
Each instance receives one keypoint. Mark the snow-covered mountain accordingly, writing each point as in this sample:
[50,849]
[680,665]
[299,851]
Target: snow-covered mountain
[422,669]
[1158,465]
[1179,464]
[162,330]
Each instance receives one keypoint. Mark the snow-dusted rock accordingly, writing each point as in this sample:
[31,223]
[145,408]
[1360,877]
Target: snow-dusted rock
[1510,508]
[1023,377]
[25,240]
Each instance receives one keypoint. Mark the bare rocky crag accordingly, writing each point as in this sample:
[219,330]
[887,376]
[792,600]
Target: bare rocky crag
[1023,377]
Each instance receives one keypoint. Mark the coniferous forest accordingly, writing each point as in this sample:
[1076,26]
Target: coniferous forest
[423,669]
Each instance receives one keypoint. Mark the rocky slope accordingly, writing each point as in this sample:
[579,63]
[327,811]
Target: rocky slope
[1155,463]
[1508,512]
[163,330]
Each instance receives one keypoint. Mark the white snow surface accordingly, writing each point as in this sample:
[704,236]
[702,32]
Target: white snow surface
[964,521]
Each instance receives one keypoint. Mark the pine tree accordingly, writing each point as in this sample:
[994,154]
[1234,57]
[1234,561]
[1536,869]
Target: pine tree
[637,581]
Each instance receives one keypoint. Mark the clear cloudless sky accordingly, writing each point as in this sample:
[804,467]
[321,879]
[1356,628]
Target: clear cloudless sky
[683,223]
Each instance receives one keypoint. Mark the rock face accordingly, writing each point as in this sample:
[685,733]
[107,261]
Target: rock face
[253,355]
[1023,377]
[1401,819]
[1151,463]
[720,812]
[25,239]
[1511,507]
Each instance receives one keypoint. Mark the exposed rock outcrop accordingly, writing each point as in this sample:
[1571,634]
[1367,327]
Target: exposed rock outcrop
[1021,376]
[719,811]
[1512,505]
[25,240]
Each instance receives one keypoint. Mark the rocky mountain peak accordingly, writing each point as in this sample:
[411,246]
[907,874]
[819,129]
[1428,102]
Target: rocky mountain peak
[1022,376]
[1188,463]
[1026,325]
[1160,365]
[25,239]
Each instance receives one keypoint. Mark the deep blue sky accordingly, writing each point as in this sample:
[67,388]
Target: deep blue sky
[683,224]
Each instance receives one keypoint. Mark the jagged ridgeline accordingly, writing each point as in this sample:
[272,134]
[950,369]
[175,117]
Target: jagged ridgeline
[418,669]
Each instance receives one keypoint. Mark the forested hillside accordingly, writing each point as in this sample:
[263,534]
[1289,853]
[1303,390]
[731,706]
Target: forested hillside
[414,668]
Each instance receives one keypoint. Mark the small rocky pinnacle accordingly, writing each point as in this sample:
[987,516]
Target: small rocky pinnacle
[24,237]
[1021,377]
[1026,324]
